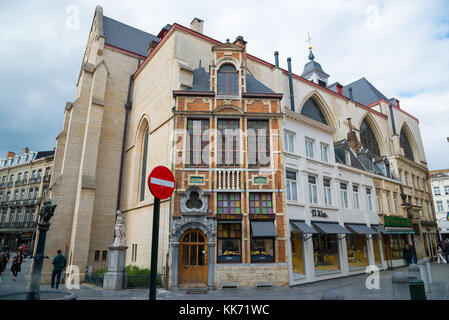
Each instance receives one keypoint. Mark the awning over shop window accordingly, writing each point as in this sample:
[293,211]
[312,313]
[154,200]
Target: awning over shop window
[380,229]
[303,227]
[361,228]
[400,230]
[263,229]
[331,228]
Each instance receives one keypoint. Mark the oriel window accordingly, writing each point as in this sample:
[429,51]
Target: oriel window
[227,83]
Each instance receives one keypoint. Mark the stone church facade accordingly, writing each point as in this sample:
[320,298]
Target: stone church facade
[144,100]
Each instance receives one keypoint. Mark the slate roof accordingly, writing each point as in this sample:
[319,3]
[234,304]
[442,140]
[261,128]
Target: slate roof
[255,86]
[44,154]
[126,37]
[339,149]
[313,66]
[363,92]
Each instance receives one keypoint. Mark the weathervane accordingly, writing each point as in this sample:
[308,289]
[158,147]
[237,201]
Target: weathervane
[309,40]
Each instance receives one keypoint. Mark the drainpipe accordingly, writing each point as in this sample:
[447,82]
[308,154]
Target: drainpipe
[350,93]
[392,119]
[276,59]
[290,82]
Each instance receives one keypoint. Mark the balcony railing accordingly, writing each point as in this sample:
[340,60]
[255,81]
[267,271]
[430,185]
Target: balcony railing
[228,179]
[24,181]
[18,225]
[33,179]
[18,183]
[10,184]
[47,178]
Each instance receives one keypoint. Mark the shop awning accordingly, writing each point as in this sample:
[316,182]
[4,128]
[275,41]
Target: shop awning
[361,228]
[393,230]
[303,227]
[380,229]
[331,228]
[443,231]
[263,229]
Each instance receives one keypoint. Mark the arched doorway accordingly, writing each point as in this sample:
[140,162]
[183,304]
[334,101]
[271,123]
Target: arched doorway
[193,260]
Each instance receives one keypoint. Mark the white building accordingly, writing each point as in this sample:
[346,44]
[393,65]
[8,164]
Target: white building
[331,209]
[439,181]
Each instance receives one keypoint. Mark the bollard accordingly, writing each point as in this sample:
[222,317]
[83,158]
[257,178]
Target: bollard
[424,274]
[417,290]
[400,285]
[429,270]
[332,295]
[413,271]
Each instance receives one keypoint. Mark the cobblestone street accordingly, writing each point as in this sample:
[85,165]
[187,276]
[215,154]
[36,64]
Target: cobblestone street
[352,288]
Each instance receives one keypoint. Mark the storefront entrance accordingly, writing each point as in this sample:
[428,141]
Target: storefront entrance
[193,260]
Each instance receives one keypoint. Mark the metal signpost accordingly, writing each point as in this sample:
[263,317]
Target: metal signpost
[162,184]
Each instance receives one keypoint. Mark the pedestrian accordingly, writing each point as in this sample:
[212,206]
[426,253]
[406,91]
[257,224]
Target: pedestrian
[3,263]
[59,262]
[407,253]
[5,248]
[413,253]
[445,248]
[441,258]
[16,264]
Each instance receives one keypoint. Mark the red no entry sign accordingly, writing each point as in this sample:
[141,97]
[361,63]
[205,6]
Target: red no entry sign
[161,182]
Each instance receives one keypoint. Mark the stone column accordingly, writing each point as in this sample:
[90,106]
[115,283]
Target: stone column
[114,279]
[211,265]
[175,264]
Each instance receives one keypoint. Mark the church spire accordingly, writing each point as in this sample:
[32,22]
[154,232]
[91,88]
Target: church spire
[312,69]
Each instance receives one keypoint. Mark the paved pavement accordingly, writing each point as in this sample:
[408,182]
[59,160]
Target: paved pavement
[352,288]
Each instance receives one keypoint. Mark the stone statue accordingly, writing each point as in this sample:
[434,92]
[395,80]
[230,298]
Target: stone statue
[119,230]
[47,211]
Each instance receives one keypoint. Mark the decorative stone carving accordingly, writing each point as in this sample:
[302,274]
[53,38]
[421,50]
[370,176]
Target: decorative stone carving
[119,239]
[194,201]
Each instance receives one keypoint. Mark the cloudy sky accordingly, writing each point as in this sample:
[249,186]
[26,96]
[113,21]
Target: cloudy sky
[402,47]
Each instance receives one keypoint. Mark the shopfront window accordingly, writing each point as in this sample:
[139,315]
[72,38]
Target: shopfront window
[229,238]
[325,253]
[376,249]
[262,250]
[297,244]
[397,245]
[357,251]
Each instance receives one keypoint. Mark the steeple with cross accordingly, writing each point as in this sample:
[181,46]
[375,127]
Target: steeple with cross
[312,69]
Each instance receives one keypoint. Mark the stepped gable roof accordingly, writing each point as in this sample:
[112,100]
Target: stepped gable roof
[126,37]
[363,92]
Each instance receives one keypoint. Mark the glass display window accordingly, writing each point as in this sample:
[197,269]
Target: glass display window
[262,249]
[260,203]
[228,203]
[229,236]
[325,253]
[357,250]
[397,243]
[297,252]
[376,249]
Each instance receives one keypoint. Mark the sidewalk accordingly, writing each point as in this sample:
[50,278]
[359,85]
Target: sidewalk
[352,288]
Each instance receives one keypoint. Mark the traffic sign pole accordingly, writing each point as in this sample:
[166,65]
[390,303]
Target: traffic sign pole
[161,183]
[154,249]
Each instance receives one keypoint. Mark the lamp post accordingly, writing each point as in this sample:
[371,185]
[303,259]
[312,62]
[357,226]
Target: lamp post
[43,226]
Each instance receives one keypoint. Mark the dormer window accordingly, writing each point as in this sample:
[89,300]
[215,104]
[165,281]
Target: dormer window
[228,81]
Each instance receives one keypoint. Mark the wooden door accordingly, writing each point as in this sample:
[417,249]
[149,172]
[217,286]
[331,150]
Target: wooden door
[193,260]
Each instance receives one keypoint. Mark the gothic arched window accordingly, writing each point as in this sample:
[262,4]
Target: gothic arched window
[312,110]
[368,138]
[144,164]
[405,144]
[228,80]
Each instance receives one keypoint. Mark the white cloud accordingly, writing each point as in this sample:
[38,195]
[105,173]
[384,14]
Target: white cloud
[399,46]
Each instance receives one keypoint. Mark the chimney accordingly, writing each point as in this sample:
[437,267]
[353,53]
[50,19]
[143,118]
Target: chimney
[151,46]
[352,138]
[276,59]
[290,82]
[240,42]
[25,150]
[340,89]
[10,154]
[397,103]
[197,25]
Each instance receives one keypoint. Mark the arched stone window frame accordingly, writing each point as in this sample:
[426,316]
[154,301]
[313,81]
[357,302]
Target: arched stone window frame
[324,108]
[142,144]
[405,129]
[377,133]
[234,63]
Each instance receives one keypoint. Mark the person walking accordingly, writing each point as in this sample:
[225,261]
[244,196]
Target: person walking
[445,247]
[413,253]
[59,262]
[3,262]
[16,264]
[407,253]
